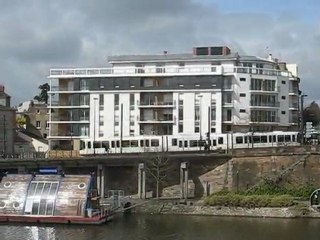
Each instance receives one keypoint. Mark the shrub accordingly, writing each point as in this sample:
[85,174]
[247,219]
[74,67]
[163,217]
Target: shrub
[249,201]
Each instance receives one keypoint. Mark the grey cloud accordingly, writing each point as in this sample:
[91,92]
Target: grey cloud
[36,35]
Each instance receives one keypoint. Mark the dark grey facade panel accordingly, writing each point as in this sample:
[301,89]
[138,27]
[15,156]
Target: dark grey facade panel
[158,83]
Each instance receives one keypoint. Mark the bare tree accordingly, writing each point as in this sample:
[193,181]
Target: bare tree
[157,166]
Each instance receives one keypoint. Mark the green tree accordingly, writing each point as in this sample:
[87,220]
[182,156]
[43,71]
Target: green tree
[43,95]
[21,120]
[312,114]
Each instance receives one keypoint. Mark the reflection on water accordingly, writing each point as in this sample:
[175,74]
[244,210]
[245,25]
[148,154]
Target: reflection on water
[161,227]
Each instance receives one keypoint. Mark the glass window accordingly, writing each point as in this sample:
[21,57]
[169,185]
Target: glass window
[239,140]
[39,189]
[264,139]
[193,143]
[116,99]
[174,142]
[134,143]
[155,143]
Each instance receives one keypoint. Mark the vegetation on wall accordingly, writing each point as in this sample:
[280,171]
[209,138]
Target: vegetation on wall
[20,121]
[249,201]
[267,194]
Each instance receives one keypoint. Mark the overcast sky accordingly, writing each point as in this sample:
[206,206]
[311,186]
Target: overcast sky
[37,35]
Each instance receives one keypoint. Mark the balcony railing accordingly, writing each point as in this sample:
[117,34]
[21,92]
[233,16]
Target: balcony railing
[294,90]
[88,72]
[160,119]
[156,104]
[264,89]
[265,120]
[264,104]
[259,71]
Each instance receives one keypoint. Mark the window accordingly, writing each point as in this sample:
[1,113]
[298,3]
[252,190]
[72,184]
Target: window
[242,94]
[38,124]
[283,97]
[227,98]
[283,82]
[131,101]
[180,127]
[84,84]
[264,139]
[160,68]
[283,112]
[180,113]
[239,140]
[47,125]
[100,133]
[140,68]
[214,142]
[84,99]
[38,111]
[202,51]
[116,100]
[154,143]
[101,101]
[220,140]
[131,132]
[242,79]
[216,51]
[174,142]
[181,64]
[242,110]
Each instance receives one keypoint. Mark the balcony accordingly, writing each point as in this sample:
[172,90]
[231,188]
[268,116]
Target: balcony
[264,104]
[152,70]
[294,106]
[265,90]
[66,104]
[167,70]
[156,104]
[169,119]
[68,119]
[258,71]
[293,91]
[271,120]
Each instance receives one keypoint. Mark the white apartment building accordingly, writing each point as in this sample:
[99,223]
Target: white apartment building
[211,98]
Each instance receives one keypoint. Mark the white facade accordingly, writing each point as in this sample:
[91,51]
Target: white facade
[171,102]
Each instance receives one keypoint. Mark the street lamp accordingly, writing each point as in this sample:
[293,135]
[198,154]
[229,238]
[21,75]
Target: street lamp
[200,105]
[302,96]
[94,125]
[71,140]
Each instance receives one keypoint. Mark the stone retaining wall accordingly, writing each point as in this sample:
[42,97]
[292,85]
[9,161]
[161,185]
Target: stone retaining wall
[196,208]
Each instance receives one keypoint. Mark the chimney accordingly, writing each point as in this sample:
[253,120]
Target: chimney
[1,88]
[165,52]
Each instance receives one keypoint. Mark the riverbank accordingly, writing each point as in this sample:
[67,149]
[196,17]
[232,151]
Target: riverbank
[198,208]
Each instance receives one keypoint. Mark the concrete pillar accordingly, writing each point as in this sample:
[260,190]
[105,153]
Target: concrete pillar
[141,181]
[184,180]
[186,176]
[22,170]
[101,180]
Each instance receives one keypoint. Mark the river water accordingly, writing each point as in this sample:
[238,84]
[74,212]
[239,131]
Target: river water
[165,227]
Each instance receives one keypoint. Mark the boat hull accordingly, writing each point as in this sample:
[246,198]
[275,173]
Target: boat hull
[54,219]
